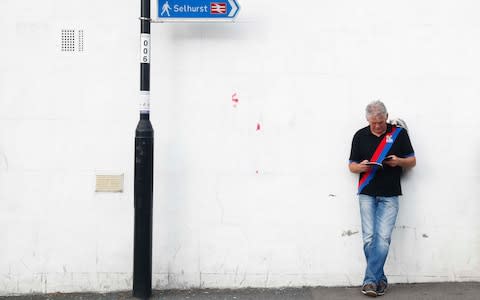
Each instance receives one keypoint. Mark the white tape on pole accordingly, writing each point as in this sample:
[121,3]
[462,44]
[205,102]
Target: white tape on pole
[144,101]
[145,48]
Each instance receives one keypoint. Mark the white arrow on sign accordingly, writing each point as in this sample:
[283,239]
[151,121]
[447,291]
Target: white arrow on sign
[234,8]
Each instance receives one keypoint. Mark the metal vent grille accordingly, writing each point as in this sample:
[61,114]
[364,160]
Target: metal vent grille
[73,40]
[80,40]
[109,183]
[68,40]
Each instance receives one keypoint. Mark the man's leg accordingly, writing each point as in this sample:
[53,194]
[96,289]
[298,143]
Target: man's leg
[386,215]
[368,207]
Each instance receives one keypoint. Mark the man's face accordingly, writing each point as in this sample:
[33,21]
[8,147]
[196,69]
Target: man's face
[378,123]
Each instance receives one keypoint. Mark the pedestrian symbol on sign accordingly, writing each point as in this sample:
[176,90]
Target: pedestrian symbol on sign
[166,9]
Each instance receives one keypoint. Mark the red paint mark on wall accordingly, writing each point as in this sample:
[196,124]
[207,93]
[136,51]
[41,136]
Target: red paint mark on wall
[234,99]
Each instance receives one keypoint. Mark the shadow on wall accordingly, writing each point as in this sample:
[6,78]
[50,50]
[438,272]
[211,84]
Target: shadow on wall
[216,31]
[172,227]
[3,161]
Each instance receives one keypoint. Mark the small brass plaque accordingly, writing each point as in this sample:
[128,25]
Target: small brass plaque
[109,183]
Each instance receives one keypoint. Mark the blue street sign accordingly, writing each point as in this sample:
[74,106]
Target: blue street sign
[197,10]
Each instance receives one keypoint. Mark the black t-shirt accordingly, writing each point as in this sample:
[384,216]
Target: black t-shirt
[386,181]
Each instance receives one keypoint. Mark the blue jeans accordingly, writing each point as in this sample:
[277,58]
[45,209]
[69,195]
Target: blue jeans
[378,219]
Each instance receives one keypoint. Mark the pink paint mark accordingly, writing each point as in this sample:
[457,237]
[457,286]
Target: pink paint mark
[234,100]
[258,126]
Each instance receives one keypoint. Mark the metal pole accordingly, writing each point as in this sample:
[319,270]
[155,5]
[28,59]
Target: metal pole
[143,188]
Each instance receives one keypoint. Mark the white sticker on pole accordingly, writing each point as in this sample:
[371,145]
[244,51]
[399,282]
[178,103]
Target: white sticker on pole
[144,101]
[145,48]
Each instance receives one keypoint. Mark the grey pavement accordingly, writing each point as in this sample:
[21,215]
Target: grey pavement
[423,291]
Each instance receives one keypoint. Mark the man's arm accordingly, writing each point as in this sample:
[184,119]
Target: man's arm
[358,167]
[354,166]
[407,159]
[406,163]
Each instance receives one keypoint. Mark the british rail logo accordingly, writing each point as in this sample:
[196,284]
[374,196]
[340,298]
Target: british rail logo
[218,8]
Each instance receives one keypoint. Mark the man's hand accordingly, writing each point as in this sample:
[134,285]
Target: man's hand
[359,167]
[392,161]
[395,161]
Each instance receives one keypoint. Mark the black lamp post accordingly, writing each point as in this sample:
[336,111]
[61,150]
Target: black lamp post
[143,193]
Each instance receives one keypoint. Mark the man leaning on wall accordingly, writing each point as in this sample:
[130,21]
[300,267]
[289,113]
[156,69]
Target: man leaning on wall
[379,153]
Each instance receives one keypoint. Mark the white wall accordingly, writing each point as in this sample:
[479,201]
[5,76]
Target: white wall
[234,206]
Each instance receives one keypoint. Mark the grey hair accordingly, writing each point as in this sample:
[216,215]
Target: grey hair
[376,108]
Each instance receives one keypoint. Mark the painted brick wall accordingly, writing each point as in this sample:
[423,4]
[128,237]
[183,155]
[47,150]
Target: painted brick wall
[253,123]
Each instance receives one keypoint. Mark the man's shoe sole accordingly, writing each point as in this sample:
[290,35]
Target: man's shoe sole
[370,293]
